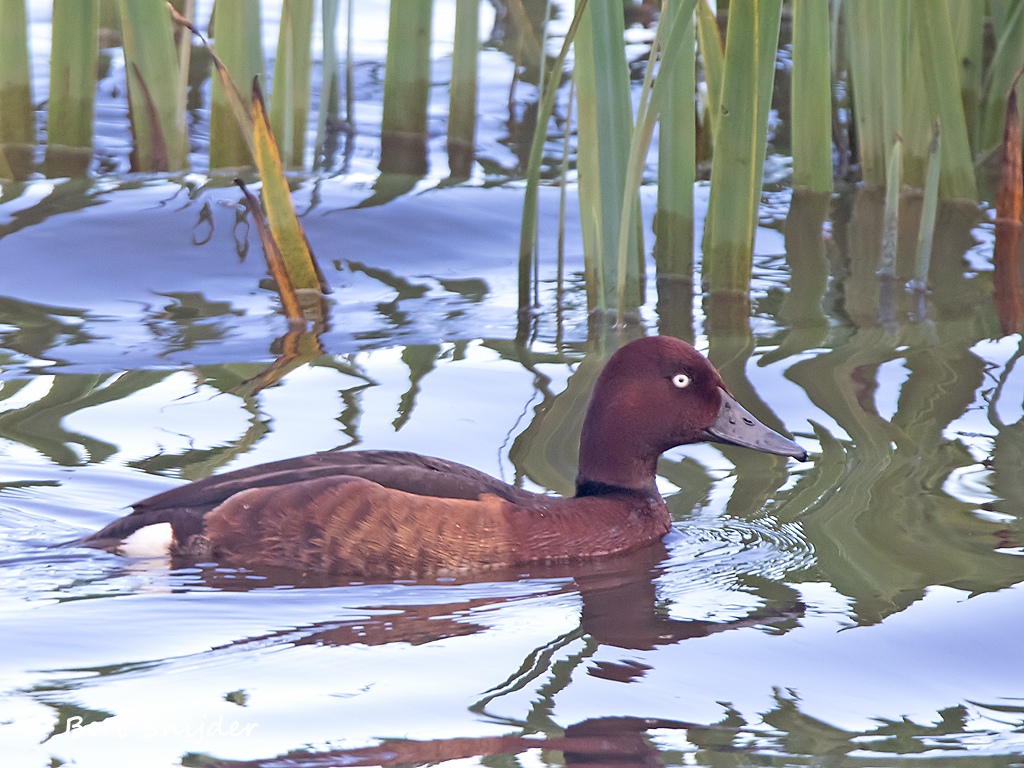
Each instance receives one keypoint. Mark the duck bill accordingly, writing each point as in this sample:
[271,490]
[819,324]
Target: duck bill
[736,426]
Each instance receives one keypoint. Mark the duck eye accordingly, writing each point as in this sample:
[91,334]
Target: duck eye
[681,380]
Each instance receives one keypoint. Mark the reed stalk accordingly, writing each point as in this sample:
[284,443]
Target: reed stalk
[75,52]
[237,42]
[676,140]
[158,118]
[891,27]
[917,112]
[184,9]
[462,105]
[864,48]
[1009,209]
[891,217]
[811,97]
[17,118]
[929,210]
[604,119]
[709,39]
[328,105]
[528,223]
[403,136]
[289,97]
[740,145]
[1006,60]
[967,18]
[941,78]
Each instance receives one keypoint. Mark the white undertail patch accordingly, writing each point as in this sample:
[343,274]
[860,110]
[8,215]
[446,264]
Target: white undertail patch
[150,541]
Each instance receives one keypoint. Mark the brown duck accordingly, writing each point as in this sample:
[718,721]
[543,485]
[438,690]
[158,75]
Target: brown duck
[395,514]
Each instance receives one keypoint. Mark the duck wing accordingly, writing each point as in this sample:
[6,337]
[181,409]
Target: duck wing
[185,508]
[398,470]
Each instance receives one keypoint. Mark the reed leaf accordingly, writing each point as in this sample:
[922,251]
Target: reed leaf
[158,119]
[676,140]
[75,52]
[740,145]
[604,120]
[811,97]
[237,105]
[17,119]
[237,43]
[284,224]
[272,254]
[289,99]
[941,78]
[1006,60]
[403,139]
[462,105]
[926,229]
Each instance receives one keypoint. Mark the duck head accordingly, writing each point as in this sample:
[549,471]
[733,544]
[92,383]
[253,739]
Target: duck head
[653,394]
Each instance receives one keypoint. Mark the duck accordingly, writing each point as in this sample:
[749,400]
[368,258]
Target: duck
[395,514]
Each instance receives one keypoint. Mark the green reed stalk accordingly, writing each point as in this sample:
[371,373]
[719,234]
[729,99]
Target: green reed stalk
[75,52]
[740,145]
[967,18]
[528,223]
[1007,59]
[676,138]
[891,217]
[941,78]
[680,26]
[864,45]
[917,112]
[713,58]
[604,120]
[811,99]
[186,9]
[999,13]
[929,208]
[158,119]
[406,88]
[17,118]
[328,106]
[462,106]
[891,20]
[289,99]
[238,44]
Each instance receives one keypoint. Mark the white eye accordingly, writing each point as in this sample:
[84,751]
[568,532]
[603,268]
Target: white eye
[681,380]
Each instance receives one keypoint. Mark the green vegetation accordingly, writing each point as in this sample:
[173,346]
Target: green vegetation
[906,64]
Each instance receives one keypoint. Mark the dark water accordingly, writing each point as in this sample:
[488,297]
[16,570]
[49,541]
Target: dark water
[863,608]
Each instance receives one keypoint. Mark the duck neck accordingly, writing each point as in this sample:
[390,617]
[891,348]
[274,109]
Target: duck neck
[611,461]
